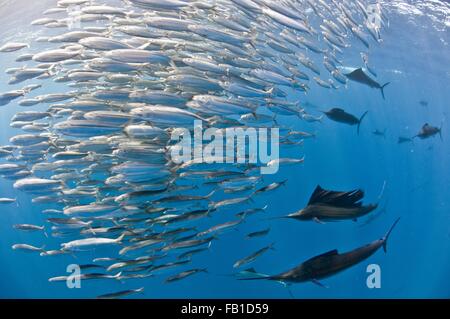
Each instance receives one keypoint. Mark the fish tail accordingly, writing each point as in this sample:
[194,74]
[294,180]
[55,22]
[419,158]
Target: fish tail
[382,89]
[26,91]
[249,198]
[208,196]
[210,210]
[321,118]
[385,238]
[120,238]
[360,120]
[275,120]
[258,276]
[118,275]
[140,290]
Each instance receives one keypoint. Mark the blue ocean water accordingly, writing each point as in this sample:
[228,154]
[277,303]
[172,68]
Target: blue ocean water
[414,57]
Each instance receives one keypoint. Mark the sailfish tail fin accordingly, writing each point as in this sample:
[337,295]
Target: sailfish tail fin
[382,89]
[360,120]
[386,237]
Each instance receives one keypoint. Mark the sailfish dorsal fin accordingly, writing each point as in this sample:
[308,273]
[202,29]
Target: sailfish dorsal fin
[336,198]
[316,195]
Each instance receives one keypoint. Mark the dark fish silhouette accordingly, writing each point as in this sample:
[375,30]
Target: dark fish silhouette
[423,103]
[339,115]
[333,205]
[185,274]
[380,133]
[252,257]
[428,131]
[120,294]
[327,264]
[258,233]
[402,140]
[360,76]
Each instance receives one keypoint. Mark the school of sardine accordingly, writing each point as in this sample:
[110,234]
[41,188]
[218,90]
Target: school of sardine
[96,153]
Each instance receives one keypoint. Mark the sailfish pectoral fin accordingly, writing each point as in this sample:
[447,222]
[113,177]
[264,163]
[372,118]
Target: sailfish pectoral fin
[317,220]
[318,283]
[288,287]
[290,292]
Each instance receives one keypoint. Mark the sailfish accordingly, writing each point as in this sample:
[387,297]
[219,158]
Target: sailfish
[358,75]
[333,205]
[324,265]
